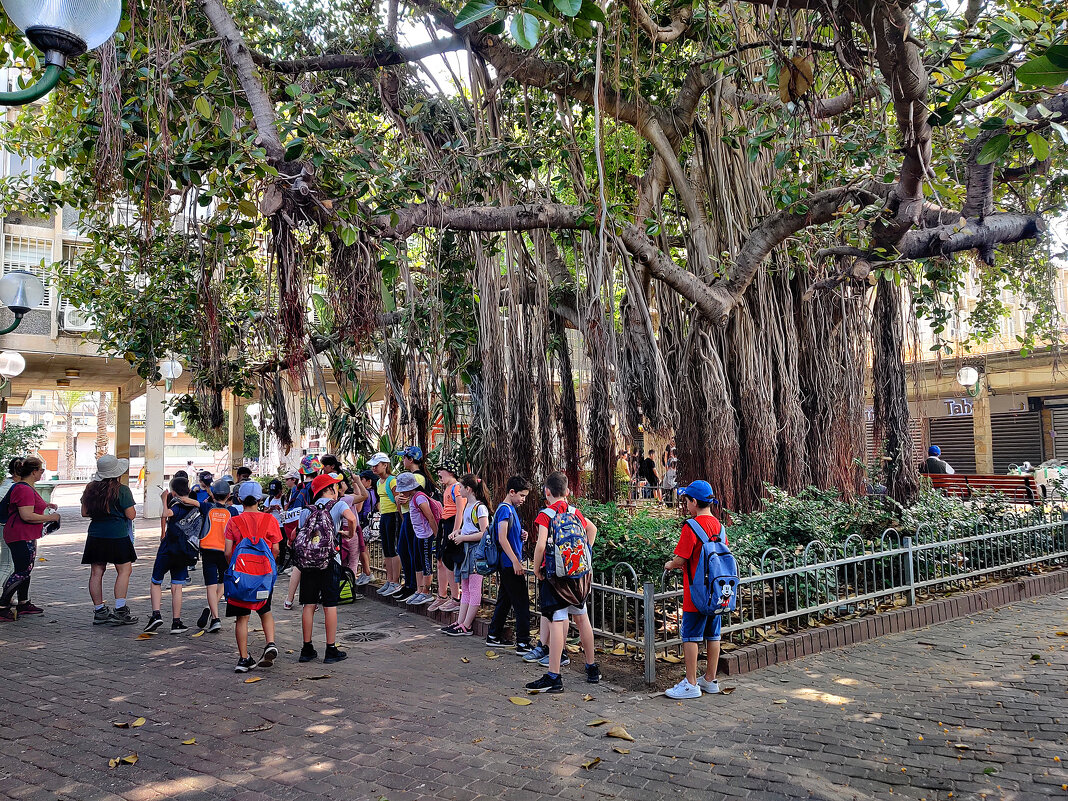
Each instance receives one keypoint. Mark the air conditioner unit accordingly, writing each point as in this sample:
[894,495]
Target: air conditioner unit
[74,319]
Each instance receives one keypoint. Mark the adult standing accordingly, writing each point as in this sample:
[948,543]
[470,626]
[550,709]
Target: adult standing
[27,514]
[109,505]
[648,472]
[7,566]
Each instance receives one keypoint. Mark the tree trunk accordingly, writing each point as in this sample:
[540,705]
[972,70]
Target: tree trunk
[102,406]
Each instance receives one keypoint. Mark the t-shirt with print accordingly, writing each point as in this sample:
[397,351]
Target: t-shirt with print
[515,531]
[543,520]
[386,504]
[17,529]
[424,529]
[689,548]
[253,526]
[114,525]
[215,519]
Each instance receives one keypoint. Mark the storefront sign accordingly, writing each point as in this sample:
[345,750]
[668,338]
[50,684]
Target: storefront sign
[958,408]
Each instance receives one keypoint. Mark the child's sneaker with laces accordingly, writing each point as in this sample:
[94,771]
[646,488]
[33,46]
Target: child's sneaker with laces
[710,687]
[683,690]
[536,654]
[593,673]
[154,623]
[565,660]
[245,664]
[270,653]
[178,627]
[500,642]
[307,653]
[546,684]
[333,654]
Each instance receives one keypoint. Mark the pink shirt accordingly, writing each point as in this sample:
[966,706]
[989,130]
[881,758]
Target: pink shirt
[16,529]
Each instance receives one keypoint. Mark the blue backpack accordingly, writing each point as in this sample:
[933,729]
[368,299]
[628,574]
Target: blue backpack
[250,579]
[714,583]
[570,555]
[487,549]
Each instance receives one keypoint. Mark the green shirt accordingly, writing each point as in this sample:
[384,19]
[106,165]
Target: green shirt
[114,525]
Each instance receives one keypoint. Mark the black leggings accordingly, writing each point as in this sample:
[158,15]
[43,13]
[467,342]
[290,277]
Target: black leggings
[23,555]
[407,553]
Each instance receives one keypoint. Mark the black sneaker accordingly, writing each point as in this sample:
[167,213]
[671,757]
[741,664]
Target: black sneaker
[154,622]
[546,684]
[523,648]
[122,617]
[593,673]
[205,616]
[178,627]
[333,655]
[501,642]
[245,665]
[215,625]
[307,654]
[101,616]
[448,629]
[270,653]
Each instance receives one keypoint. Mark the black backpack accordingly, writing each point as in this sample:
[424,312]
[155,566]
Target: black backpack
[5,504]
[184,534]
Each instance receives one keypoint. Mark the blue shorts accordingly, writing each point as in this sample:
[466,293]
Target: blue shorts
[165,564]
[697,627]
[214,564]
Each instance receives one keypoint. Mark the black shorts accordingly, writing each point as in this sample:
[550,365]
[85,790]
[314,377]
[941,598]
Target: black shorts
[240,611]
[108,551]
[320,586]
[424,555]
[388,529]
[215,566]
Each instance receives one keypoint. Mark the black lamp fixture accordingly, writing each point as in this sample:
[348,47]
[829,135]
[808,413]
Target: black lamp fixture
[61,29]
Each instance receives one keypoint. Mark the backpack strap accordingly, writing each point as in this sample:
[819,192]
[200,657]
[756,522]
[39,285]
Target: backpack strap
[549,512]
[389,490]
[702,539]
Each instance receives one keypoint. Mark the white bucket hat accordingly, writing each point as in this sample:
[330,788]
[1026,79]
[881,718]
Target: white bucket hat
[108,466]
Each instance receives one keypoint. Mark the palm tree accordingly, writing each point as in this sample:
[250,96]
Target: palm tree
[102,408]
[67,403]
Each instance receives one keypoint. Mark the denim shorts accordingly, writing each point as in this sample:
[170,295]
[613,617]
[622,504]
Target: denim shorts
[164,564]
[697,627]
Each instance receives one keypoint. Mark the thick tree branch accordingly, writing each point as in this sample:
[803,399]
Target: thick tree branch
[976,234]
[248,76]
[359,61]
[681,17]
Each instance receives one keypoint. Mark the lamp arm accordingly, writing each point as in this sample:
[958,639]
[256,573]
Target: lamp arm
[18,317]
[45,84]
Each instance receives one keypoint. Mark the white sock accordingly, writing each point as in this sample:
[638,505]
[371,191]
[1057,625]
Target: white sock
[98,608]
[120,603]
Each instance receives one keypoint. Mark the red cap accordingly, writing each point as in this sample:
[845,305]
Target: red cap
[319,483]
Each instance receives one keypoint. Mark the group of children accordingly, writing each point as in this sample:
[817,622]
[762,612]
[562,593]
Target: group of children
[429,527]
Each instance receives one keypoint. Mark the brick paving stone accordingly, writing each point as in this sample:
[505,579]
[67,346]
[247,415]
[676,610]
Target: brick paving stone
[404,718]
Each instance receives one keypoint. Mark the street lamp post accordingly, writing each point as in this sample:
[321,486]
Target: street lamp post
[61,29]
[20,291]
[968,378]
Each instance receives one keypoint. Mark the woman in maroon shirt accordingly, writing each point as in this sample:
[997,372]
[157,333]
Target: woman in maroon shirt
[27,513]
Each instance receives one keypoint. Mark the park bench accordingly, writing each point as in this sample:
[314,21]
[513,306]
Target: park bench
[1018,489]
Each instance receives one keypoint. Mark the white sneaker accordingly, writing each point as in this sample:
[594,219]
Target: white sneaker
[423,598]
[683,690]
[385,588]
[710,687]
[364,579]
[413,599]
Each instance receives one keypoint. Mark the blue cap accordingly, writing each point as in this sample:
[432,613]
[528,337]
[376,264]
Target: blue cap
[413,452]
[934,450]
[699,491]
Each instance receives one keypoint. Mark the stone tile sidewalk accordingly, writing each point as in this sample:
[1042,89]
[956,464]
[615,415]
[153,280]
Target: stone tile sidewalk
[971,709]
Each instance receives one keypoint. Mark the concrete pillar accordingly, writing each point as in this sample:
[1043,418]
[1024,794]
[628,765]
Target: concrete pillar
[291,460]
[155,404]
[1049,445]
[235,409]
[122,430]
[984,436]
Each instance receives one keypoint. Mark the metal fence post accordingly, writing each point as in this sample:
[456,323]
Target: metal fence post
[909,571]
[649,636]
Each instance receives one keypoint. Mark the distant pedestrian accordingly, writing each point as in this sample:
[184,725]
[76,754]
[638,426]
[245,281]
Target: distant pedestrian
[934,464]
[109,505]
[647,471]
[27,514]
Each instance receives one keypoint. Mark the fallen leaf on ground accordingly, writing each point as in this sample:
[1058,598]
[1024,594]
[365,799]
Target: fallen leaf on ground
[477,740]
[190,741]
[592,763]
[672,659]
[317,678]
[515,699]
[619,732]
[199,633]
[465,660]
[573,649]
[621,750]
[598,722]
[144,636]
[254,679]
[261,727]
[138,723]
[780,701]
[129,759]
[121,724]
[112,763]
[620,649]
[961,746]
[587,697]
[990,771]
[41,559]
[1061,633]
[727,690]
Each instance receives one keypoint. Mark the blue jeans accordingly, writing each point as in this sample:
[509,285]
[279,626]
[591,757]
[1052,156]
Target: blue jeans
[165,563]
[697,627]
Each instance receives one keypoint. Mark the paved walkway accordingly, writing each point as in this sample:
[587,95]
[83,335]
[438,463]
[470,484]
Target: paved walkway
[972,709]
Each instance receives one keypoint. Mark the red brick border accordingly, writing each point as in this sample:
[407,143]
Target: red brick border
[812,641]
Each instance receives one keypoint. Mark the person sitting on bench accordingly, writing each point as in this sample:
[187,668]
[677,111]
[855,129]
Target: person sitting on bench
[933,465]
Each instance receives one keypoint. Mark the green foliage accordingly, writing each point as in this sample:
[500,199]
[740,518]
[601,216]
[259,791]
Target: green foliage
[20,440]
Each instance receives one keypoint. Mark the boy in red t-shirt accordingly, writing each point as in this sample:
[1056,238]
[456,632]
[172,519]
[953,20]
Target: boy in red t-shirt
[252,524]
[696,626]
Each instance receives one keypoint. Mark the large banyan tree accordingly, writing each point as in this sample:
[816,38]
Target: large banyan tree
[592,219]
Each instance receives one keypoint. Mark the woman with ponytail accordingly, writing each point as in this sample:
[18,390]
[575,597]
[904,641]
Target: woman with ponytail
[476,518]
